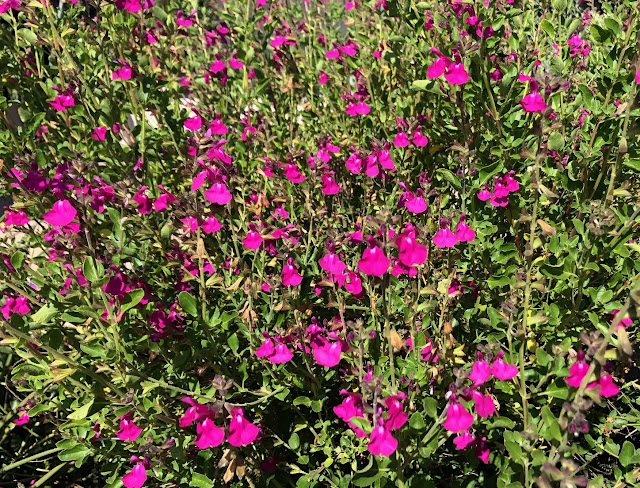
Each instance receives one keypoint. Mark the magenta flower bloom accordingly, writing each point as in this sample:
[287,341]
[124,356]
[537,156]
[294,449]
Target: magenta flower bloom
[456,74]
[419,139]
[354,163]
[359,108]
[123,73]
[350,407]
[293,174]
[331,263]
[381,442]
[136,477]
[445,238]
[502,370]
[329,185]
[253,240]
[463,440]
[607,387]
[21,218]
[373,262]
[21,306]
[480,372]
[129,431]
[484,405]
[458,419]
[415,203]
[438,67]
[290,275]
[638,76]
[353,283]
[9,4]
[464,233]
[99,133]
[241,431]
[484,194]
[61,214]
[266,349]
[533,102]
[396,417]
[193,123]
[624,323]
[23,419]
[211,225]
[62,102]
[219,194]
[209,434]
[401,140]
[328,353]
[410,253]
[282,354]
[577,372]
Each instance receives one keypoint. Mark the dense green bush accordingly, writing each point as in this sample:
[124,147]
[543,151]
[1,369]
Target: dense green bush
[314,243]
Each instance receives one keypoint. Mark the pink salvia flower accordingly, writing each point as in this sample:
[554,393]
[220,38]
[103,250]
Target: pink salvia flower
[638,76]
[577,372]
[484,194]
[329,185]
[290,275]
[266,349]
[241,431]
[129,431]
[99,133]
[331,263]
[209,434]
[458,419]
[373,261]
[607,387]
[396,417]
[415,203]
[456,74]
[253,240]
[136,477]
[623,323]
[463,440]
[282,354]
[211,225]
[502,370]
[328,354]
[445,238]
[401,140]
[533,102]
[193,123]
[484,405]
[464,233]
[61,214]
[480,372]
[411,252]
[23,419]
[359,108]
[381,442]
[219,194]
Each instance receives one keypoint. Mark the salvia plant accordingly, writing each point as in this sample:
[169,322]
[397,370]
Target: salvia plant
[319,243]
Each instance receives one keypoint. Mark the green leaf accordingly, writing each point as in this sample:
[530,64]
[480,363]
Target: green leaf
[45,314]
[294,441]
[28,35]
[92,269]
[81,412]
[633,164]
[131,299]
[556,141]
[361,423]
[17,260]
[77,453]
[599,34]
[302,400]
[502,423]
[417,421]
[550,427]
[188,303]
[450,177]
[200,481]
[626,454]
[488,171]
[548,28]
[234,343]
[515,451]
[431,407]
